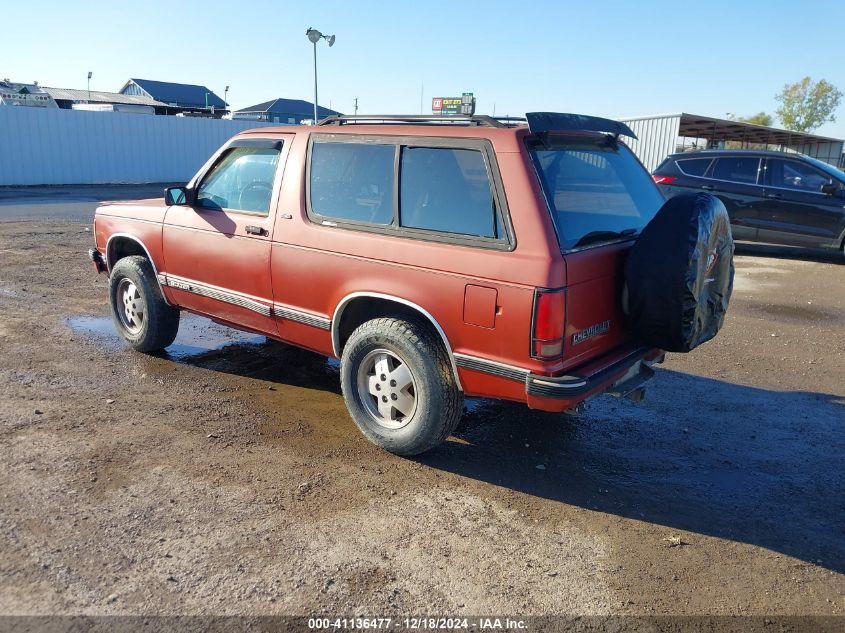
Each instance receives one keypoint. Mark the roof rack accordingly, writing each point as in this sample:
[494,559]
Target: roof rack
[480,120]
[539,123]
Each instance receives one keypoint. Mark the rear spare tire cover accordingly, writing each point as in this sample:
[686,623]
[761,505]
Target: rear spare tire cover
[679,273]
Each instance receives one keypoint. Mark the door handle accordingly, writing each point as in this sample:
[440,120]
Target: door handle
[776,196]
[708,187]
[255,230]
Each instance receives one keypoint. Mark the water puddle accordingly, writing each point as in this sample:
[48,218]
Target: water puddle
[204,343]
[798,313]
[197,336]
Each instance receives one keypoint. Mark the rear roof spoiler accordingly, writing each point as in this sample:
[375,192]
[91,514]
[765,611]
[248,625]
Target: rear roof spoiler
[544,122]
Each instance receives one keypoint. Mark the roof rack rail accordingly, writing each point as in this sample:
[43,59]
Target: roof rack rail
[481,120]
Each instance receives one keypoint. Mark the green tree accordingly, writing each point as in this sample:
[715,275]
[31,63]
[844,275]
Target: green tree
[761,118]
[807,104]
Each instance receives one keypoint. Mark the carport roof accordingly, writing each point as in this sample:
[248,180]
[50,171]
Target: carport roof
[98,96]
[698,126]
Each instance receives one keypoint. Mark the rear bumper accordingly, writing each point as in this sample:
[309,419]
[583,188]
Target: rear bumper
[587,382]
[618,373]
[98,260]
[619,377]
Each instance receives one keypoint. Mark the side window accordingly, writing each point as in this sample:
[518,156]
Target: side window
[352,182]
[737,169]
[790,174]
[242,180]
[448,190]
[694,166]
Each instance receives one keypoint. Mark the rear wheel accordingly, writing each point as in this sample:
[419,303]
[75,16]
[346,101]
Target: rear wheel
[399,387]
[139,311]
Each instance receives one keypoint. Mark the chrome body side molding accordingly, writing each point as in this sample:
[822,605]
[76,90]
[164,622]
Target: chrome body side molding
[292,314]
[491,367]
[213,292]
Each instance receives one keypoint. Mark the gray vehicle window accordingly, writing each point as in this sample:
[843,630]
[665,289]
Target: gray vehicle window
[446,189]
[242,180]
[791,174]
[595,191]
[694,166]
[737,169]
[352,182]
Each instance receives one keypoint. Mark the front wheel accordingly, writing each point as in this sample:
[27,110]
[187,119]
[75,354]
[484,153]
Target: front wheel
[139,310]
[399,387]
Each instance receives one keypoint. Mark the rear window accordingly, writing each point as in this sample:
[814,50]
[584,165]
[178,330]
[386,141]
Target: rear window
[694,166]
[737,169]
[596,193]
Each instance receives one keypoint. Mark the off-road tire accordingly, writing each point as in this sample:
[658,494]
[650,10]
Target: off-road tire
[160,322]
[439,402]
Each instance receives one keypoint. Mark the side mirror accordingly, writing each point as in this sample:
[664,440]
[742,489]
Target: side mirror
[178,196]
[829,189]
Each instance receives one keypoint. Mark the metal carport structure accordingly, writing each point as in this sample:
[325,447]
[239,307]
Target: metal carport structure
[664,134]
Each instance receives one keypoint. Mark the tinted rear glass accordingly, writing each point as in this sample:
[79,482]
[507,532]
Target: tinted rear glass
[694,166]
[352,182]
[737,169]
[595,192]
[446,189]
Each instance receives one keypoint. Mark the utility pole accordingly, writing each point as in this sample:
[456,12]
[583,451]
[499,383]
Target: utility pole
[89,86]
[422,89]
[356,105]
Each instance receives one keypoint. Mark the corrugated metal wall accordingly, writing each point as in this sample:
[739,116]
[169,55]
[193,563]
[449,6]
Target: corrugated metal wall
[830,152]
[657,138]
[58,147]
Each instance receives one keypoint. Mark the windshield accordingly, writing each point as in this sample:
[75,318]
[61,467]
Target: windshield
[596,191]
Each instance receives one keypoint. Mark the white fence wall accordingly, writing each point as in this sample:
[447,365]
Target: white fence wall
[40,146]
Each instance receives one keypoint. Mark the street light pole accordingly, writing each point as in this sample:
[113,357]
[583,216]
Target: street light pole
[315,36]
[89,86]
[315,83]
[225,98]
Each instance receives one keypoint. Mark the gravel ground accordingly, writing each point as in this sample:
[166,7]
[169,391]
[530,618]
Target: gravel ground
[225,477]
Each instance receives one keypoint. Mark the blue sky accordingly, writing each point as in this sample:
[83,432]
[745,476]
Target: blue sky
[602,58]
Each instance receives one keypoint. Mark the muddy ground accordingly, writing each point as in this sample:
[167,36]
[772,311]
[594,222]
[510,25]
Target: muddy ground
[232,480]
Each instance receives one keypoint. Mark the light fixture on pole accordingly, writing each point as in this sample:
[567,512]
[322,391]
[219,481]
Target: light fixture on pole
[315,36]
[89,85]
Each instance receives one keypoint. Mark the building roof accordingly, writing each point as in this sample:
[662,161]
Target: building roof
[98,96]
[178,94]
[289,106]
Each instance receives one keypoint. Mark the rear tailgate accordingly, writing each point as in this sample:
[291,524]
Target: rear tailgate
[595,323]
[599,197]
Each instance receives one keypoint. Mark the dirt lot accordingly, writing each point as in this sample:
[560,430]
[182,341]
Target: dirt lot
[232,480]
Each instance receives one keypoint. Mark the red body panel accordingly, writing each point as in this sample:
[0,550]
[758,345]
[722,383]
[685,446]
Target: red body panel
[481,298]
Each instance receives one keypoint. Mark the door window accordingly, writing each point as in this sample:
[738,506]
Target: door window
[741,169]
[242,180]
[448,190]
[791,174]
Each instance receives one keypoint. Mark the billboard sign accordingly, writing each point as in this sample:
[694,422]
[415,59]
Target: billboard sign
[465,104]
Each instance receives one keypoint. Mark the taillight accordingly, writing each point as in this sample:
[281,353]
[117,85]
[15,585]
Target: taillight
[663,180]
[548,326]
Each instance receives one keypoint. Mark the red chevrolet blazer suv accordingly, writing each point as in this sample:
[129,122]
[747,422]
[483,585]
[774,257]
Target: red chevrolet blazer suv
[531,260]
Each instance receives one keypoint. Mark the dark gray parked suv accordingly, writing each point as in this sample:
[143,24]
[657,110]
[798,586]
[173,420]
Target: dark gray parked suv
[771,197]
